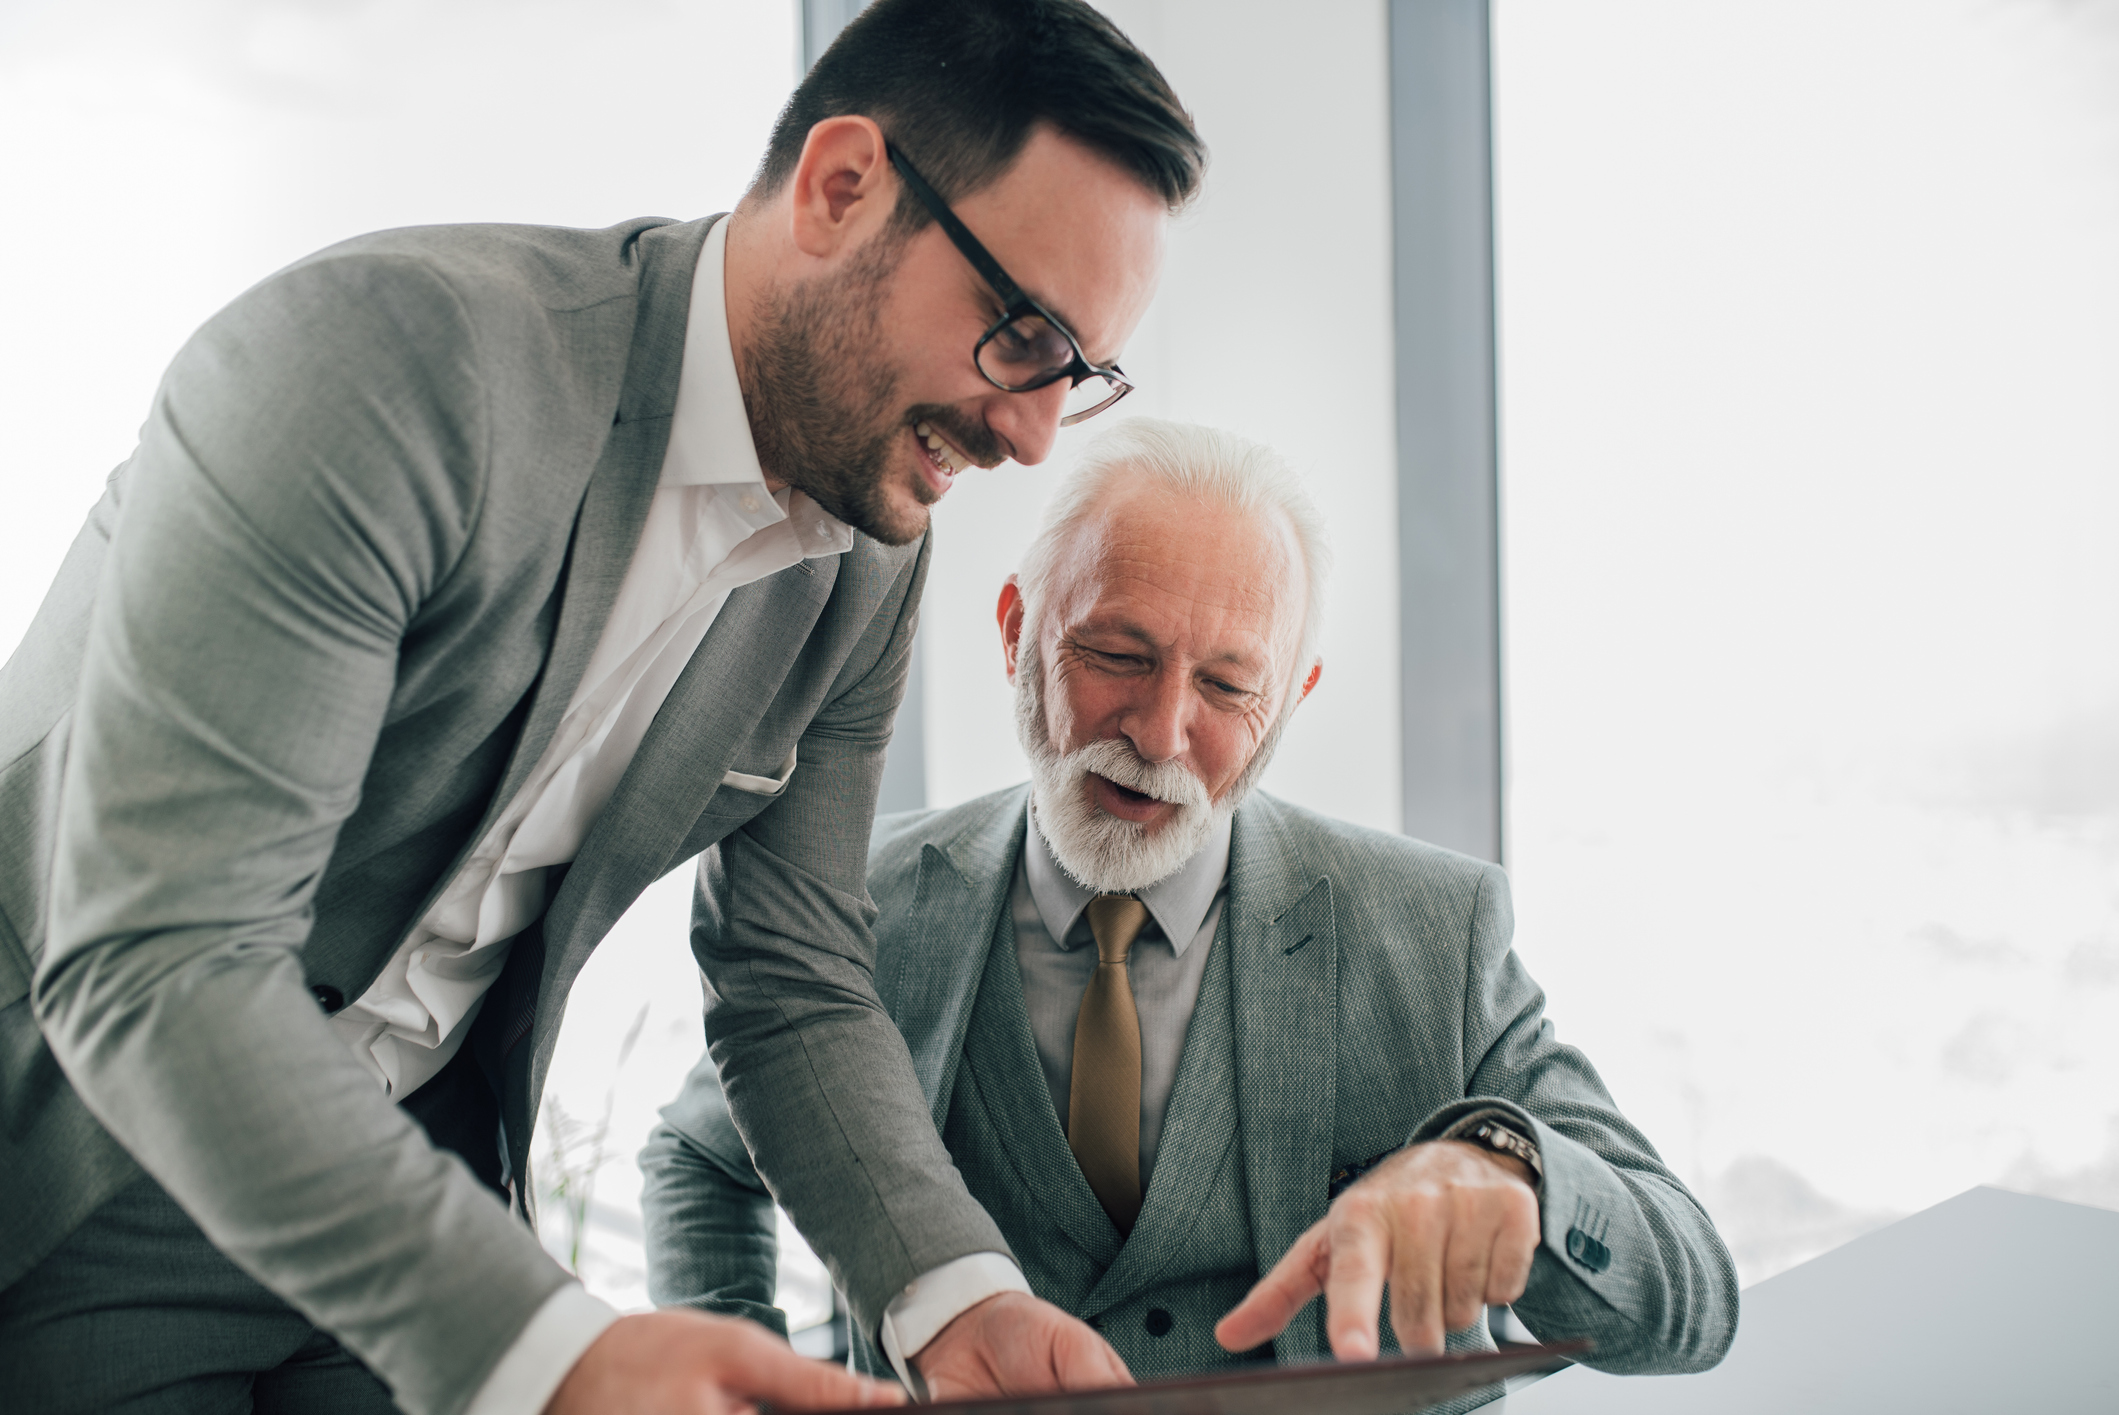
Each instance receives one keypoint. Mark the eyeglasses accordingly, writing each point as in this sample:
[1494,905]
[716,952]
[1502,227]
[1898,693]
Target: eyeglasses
[1027,347]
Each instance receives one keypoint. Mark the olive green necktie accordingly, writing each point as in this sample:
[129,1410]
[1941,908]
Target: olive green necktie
[1103,1101]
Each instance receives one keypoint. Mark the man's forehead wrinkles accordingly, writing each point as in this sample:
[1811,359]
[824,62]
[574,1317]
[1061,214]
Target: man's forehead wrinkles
[1196,566]
[1175,608]
[1207,589]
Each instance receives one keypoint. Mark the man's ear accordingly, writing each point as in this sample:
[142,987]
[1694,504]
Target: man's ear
[1009,614]
[842,191]
[1316,672]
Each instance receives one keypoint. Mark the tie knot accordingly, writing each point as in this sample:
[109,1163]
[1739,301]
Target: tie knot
[1116,920]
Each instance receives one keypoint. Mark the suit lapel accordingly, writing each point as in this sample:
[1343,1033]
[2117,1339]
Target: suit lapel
[929,963]
[620,491]
[1285,958]
[714,705]
[1199,1129]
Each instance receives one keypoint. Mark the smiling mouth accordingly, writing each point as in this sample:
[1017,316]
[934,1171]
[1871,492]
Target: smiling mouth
[1128,795]
[941,454]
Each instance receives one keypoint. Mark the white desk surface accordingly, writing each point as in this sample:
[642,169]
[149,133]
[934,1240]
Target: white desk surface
[1990,1302]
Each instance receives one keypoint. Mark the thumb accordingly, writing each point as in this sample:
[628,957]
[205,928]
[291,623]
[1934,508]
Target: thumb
[1083,1360]
[773,1374]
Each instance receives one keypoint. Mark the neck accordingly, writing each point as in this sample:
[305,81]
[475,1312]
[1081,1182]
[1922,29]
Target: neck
[746,283]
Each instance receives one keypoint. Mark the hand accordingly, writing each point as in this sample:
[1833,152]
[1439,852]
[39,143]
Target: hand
[1452,1226]
[680,1362]
[1016,1344]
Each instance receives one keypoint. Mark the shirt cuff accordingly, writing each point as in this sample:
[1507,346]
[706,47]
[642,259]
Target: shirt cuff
[530,1370]
[936,1298]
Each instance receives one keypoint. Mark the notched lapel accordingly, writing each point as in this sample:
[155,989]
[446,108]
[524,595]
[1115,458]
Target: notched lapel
[1286,965]
[930,978]
[929,958]
[613,510]
[621,489]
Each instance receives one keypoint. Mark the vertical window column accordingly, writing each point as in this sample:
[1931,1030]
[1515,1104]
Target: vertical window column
[1448,479]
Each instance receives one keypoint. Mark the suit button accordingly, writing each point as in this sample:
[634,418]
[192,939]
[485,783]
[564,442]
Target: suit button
[1158,1322]
[328,997]
[1587,1251]
[1095,1323]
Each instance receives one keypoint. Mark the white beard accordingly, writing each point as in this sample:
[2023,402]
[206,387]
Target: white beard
[1101,851]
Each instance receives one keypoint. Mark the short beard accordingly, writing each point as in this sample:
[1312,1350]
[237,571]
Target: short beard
[820,389]
[1100,851]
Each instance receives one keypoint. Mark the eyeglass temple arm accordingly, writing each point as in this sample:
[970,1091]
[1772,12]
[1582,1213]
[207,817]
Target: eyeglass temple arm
[959,235]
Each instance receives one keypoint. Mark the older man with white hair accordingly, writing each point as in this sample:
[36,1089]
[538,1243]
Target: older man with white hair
[1204,1055]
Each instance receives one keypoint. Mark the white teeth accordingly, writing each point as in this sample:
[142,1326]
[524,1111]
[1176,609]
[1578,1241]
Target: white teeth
[947,455]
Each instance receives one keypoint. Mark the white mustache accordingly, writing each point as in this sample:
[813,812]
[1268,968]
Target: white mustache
[1114,759]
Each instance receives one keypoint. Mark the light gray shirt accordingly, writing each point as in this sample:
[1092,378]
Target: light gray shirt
[1056,953]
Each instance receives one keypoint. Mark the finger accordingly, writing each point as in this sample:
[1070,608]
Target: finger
[1267,1309]
[1359,1259]
[1416,1277]
[1082,1360]
[1471,1246]
[1515,1248]
[760,1369]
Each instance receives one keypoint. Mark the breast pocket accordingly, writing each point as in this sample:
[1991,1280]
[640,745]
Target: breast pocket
[756,785]
[738,796]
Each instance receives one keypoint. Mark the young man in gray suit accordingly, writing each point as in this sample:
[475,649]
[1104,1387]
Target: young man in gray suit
[466,580]
[1202,1054]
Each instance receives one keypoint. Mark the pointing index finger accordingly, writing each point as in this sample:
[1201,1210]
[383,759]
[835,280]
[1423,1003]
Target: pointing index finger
[1267,1309]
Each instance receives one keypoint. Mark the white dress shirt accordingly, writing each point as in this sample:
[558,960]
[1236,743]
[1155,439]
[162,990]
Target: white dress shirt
[712,528]
[1166,966]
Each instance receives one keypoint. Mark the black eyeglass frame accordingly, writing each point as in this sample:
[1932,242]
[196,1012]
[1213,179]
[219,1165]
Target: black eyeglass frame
[1014,303]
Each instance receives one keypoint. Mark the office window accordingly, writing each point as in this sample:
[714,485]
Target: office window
[1809,329]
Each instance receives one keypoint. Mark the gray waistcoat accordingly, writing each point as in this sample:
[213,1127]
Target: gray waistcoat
[1156,1294]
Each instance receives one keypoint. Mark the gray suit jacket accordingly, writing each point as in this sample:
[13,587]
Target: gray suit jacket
[310,642]
[1372,999]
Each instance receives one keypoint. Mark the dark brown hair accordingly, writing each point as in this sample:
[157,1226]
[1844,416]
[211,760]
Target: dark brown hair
[958,86]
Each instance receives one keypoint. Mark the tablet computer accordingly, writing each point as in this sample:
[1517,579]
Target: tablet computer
[1388,1387]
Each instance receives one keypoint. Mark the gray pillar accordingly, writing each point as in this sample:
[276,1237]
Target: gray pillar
[821,22]
[1448,483]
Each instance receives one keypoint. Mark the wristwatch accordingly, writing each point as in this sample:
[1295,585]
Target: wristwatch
[1488,1129]
[1494,1132]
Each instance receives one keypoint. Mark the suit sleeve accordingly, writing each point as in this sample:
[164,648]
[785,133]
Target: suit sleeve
[1627,1256]
[308,475]
[818,1078]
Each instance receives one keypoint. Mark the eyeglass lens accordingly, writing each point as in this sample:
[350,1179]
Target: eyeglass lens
[1027,352]
[1030,352]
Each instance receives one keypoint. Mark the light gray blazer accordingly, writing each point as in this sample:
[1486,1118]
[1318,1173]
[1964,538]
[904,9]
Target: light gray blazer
[311,641]
[1371,998]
